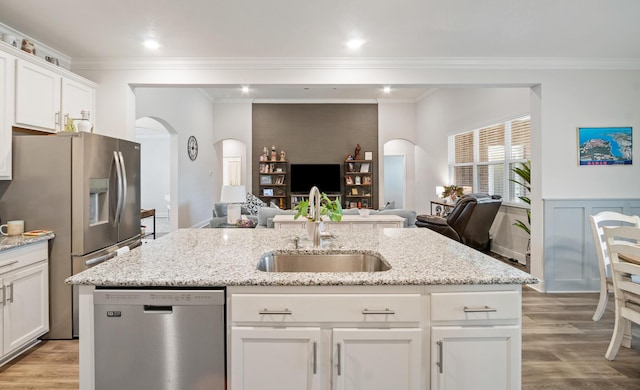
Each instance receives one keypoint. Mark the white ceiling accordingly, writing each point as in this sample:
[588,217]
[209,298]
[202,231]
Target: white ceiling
[317,30]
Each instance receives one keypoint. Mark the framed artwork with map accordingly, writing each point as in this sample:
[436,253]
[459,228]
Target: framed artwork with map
[605,145]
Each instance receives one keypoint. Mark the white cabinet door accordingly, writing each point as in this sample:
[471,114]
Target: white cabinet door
[37,97]
[479,358]
[377,359]
[274,358]
[26,309]
[75,98]
[7,83]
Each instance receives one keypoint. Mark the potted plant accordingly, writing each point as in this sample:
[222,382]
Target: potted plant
[524,174]
[328,207]
[452,192]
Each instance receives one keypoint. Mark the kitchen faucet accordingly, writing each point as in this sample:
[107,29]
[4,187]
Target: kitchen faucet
[314,214]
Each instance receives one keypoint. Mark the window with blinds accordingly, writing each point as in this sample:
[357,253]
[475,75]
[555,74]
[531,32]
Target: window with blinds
[483,158]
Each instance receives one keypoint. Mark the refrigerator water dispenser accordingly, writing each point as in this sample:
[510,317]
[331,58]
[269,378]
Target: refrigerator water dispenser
[98,201]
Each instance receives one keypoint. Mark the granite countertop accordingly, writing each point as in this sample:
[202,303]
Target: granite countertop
[10,242]
[228,257]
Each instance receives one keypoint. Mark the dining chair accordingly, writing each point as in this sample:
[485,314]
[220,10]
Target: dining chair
[598,221]
[623,245]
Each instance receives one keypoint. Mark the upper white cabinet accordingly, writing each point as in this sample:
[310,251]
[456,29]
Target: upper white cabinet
[37,97]
[76,97]
[45,98]
[6,112]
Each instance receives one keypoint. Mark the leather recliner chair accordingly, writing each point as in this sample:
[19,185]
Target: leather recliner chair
[469,221]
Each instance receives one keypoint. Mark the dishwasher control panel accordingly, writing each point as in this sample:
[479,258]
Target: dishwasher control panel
[158,297]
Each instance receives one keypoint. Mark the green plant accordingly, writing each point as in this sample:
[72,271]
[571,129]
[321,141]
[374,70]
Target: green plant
[524,173]
[453,190]
[328,207]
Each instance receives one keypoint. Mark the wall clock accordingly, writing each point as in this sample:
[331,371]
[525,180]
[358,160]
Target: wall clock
[192,148]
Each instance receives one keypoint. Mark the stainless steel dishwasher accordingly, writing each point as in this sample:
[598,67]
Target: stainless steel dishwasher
[159,339]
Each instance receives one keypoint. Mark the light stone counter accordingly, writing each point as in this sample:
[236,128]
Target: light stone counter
[228,257]
[10,242]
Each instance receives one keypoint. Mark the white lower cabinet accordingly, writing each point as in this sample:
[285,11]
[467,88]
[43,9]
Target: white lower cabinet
[273,358]
[377,359]
[24,297]
[351,338]
[479,358]
[297,358]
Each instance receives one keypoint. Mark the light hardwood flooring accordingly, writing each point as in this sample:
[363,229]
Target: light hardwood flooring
[562,348]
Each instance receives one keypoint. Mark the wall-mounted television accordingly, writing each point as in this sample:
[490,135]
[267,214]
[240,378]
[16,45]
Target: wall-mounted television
[324,176]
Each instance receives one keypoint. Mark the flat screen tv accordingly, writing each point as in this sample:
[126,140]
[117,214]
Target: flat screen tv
[324,176]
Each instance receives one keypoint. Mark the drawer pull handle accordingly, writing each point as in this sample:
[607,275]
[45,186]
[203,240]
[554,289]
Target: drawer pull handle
[267,311]
[484,309]
[385,311]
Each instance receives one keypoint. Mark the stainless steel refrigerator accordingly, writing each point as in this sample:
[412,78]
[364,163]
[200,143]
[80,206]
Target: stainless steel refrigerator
[85,188]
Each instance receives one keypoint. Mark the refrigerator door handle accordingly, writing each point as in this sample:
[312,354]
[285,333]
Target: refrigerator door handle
[100,259]
[124,185]
[119,204]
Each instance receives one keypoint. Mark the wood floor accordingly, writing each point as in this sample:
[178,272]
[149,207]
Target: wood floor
[562,348]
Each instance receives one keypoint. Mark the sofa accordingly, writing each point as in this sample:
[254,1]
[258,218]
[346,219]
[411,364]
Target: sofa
[220,215]
[265,215]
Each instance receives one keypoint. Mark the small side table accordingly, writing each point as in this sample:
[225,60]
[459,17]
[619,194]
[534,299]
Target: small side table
[442,209]
[146,214]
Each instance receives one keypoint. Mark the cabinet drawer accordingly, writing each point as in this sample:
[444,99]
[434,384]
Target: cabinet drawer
[23,256]
[475,306]
[291,308]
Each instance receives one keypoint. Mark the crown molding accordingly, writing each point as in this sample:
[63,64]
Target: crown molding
[486,63]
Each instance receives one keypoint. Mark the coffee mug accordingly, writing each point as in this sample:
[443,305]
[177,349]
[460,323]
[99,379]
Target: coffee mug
[13,228]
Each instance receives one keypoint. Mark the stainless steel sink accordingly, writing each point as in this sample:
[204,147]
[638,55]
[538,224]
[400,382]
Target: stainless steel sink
[325,262]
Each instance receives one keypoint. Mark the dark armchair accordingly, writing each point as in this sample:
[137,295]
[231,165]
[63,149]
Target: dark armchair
[469,221]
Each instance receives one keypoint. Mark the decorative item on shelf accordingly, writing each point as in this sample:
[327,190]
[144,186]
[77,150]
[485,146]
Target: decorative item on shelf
[10,39]
[265,154]
[233,196]
[267,192]
[366,180]
[358,180]
[273,153]
[52,60]
[265,179]
[70,127]
[349,180]
[354,191]
[356,153]
[245,222]
[368,155]
[28,46]
[364,167]
[84,124]
[283,156]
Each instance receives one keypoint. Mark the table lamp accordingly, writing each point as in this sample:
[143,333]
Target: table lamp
[439,191]
[233,196]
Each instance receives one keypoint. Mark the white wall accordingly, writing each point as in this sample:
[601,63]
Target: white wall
[397,134]
[154,171]
[562,99]
[188,112]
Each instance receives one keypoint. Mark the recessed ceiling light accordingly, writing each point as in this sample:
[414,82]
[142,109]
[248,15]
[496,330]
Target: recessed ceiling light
[386,89]
[151,44]
[355,44]
[245,89]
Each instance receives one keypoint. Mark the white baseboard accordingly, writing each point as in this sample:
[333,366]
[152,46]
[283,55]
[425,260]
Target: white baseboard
[506,252]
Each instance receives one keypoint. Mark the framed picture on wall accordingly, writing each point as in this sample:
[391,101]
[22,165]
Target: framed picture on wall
[605,146]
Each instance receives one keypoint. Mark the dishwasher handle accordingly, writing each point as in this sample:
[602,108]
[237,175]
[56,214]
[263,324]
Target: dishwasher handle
[155,309]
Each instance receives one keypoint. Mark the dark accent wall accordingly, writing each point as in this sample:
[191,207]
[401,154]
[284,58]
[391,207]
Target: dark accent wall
[315,134]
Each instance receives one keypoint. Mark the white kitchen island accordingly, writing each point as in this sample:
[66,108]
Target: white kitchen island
[443,317]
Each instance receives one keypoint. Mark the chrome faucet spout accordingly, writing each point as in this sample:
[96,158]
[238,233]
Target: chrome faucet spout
[314,214]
